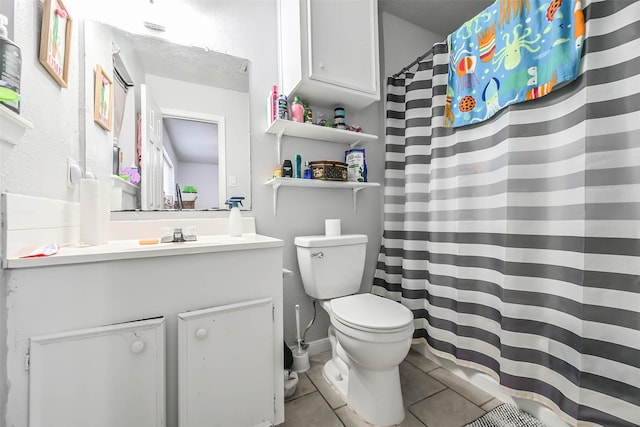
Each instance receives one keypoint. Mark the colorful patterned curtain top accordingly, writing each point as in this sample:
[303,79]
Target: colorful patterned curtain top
[513,51]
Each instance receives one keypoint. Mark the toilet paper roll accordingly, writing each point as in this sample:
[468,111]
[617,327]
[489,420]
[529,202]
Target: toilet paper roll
[94,211]
[332,227]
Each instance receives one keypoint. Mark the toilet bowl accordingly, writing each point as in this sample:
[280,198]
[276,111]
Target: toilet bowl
[369,346]
[369,335]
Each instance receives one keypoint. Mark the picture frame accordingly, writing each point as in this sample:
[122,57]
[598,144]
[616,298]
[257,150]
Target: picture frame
[55,40]
[103,99]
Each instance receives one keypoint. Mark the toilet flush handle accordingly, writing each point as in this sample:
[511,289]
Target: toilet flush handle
[318,255]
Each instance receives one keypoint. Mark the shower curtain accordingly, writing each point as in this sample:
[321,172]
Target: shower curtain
[516,241]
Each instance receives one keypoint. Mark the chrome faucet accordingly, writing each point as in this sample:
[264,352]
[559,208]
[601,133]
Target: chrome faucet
[179,196]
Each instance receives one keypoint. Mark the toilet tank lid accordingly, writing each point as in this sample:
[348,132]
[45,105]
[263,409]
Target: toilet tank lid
[324,241]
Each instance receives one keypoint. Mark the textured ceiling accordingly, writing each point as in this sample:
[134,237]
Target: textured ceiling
[439,16]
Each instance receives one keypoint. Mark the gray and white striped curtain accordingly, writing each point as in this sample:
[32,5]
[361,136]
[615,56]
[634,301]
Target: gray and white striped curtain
[516,242]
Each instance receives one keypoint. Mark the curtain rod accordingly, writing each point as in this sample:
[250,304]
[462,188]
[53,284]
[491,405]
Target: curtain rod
[418,59]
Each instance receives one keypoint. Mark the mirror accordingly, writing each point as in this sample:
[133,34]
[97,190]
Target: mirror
[181,117]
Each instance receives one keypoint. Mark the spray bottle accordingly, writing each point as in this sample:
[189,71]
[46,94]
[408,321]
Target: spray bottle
[235,217]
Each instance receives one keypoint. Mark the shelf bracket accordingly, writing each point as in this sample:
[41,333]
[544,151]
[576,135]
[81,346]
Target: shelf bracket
[279,136]
[276,186]
[355,198]
[355,144]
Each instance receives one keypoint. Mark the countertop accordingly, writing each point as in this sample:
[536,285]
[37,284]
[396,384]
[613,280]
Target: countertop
[132,249]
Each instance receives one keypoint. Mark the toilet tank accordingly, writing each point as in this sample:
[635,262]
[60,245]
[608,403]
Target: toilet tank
[331,266]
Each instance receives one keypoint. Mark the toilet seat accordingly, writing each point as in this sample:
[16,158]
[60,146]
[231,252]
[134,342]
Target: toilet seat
[371,313]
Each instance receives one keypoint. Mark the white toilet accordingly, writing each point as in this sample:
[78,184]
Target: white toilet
[369,335]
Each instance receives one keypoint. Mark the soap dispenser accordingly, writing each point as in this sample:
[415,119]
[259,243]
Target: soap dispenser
[235,218]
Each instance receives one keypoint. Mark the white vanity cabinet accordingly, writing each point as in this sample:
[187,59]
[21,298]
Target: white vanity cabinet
[321,62]
[233,369]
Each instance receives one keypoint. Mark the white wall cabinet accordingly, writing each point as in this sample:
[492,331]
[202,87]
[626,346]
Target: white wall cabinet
[329,51]
[100,377]
[212,341]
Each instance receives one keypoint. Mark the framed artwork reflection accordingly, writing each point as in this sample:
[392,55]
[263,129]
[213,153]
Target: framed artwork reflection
[103,99]
[55,40]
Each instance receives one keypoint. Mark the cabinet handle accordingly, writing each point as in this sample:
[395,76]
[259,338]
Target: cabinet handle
[137,347]
[201,333]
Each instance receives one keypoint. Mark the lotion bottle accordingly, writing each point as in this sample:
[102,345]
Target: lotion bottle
[235,217]
[297,110]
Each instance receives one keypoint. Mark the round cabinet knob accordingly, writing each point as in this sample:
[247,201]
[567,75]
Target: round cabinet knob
[137,347]
[201,333]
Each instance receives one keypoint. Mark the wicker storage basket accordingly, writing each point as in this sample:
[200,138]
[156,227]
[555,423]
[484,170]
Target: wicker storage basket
[328,170]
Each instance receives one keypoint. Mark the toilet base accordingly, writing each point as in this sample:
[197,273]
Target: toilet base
[337,376]
[374,395]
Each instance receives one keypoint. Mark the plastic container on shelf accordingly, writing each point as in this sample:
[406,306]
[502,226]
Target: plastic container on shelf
[297,110]
[307,113]
[283,108]
[10,69]
[307,170]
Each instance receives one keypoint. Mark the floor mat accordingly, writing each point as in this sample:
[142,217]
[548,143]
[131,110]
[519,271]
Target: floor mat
[506,416]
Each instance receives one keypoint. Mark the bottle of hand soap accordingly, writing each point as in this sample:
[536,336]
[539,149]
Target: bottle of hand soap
[235,218]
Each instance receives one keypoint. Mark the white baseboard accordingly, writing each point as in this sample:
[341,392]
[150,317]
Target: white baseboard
[318,346]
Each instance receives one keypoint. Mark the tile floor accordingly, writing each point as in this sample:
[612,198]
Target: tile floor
[433,397]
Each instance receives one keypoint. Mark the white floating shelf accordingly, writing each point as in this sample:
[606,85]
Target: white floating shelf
[276,183]
[322,133]
[282,128]
[13,125]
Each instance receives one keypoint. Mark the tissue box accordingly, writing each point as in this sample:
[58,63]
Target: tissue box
[328,170]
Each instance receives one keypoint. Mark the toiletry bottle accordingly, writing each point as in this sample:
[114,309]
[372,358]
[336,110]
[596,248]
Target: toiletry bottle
[283,107]
[307,170]
[297,166]
[297,110]
[272,103]
[116,160]
[235,217]
[308,114]
[339,118]
[287,169]
[10,69]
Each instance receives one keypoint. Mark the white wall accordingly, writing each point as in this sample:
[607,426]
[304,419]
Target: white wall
[38,164]
[403,42]
[204,177]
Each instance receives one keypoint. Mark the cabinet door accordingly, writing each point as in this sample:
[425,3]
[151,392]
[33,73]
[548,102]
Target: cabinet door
[101,377]
[343,40]
[226,365]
